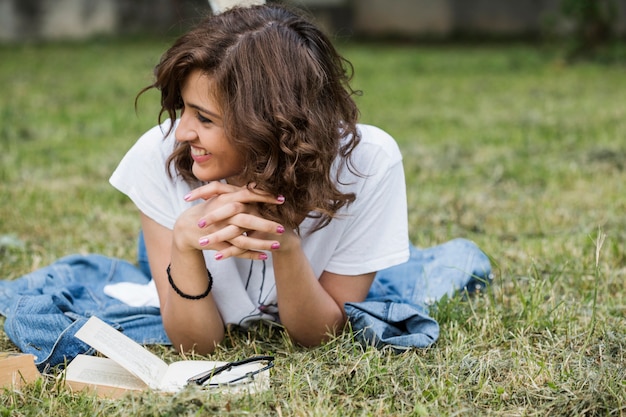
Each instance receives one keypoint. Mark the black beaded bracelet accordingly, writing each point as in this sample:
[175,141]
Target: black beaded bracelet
[187,296]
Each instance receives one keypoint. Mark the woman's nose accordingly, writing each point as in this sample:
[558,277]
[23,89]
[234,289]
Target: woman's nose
[185,131]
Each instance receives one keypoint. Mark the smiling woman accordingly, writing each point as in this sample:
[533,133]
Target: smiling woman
[262,176]
[261,199]
[273,192]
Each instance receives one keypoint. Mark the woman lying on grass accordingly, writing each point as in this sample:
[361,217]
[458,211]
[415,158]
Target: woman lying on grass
[261,198]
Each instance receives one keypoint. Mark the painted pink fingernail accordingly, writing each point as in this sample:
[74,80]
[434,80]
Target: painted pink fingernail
[187,197]
[204,241]
[275,245]
[280,229]
[280,199]
[218,256]
[201,223]
[262,257]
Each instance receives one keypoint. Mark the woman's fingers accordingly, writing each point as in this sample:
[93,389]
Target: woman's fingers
[221,213]
[245,231]
[234,251]
[255,244]
[230,221]
[239,215]
[210,190]
[226,250]
[231,193]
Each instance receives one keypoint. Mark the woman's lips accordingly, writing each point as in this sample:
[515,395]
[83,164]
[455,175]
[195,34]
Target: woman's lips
[200,155]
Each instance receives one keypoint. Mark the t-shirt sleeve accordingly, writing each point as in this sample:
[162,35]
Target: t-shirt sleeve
[143,176]
[376,235]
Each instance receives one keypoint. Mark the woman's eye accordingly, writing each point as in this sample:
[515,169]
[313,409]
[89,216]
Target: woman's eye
[203,119]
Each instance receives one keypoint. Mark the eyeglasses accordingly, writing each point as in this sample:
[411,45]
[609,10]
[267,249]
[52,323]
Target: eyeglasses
[234,372]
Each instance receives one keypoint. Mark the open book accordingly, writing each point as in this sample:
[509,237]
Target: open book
[129,366]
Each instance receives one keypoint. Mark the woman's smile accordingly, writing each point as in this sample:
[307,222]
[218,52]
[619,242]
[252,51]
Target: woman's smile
[199,155]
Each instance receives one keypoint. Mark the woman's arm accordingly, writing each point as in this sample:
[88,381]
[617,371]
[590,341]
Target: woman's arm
[190,324]
[223,213]
[310,309]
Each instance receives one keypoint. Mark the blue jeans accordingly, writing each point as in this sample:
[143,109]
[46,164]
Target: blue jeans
[395,312]
[45,308]
[432,273]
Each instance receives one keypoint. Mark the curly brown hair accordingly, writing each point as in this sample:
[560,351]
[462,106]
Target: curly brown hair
[286,104]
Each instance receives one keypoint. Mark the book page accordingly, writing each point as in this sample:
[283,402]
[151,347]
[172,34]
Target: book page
[123,350]
[93,370]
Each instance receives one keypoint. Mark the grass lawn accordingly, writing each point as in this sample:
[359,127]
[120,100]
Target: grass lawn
[503,145]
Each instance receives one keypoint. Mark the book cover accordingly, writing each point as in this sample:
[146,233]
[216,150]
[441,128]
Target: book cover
[17,369]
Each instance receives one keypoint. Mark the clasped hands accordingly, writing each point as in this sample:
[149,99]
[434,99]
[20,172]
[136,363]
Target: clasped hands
[227,221]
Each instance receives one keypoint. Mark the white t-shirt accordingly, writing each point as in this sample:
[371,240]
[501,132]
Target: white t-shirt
[368,235]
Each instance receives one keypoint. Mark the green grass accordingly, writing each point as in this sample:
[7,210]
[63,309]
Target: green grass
[503,145]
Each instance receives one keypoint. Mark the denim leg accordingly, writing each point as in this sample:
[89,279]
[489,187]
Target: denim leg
[432,273]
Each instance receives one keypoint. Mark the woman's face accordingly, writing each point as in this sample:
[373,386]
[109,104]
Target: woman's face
[214,158]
